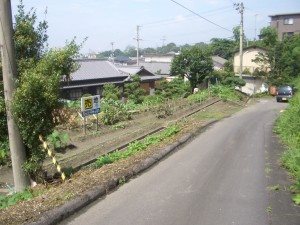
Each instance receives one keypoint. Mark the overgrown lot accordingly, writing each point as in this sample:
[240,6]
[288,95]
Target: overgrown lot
[29,205]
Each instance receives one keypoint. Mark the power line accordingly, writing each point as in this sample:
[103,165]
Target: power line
[197,14]
[172,20]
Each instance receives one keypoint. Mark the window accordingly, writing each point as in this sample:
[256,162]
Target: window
[287,34]
[75,94]
[288,21]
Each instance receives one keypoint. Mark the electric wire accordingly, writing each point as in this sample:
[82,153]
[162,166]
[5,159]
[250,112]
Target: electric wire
[197,14]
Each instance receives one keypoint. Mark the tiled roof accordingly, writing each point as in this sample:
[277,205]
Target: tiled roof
[155,67]
[95,69]
[219,59]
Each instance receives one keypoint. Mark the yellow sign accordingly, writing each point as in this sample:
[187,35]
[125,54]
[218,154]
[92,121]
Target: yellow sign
[88,103]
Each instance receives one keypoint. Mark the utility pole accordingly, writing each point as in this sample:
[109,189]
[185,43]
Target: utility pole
[163,41]
[240,8]
[9,68]
[137,38]
[112,51]
[255,27]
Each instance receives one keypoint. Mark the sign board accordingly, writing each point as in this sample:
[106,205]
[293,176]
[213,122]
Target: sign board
[90,105]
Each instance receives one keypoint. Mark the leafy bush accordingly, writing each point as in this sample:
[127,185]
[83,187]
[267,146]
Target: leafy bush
[9,200]
[174,89]
[224,92]
[111,91]
[234,81]
[4,156]
[133,91]
[113,112]
[58,140]
[37,99]
[137,146]
[199,96]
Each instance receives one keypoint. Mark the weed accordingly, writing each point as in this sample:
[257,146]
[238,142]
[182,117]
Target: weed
[136,146]
[122,181]
[269,209]
[274,187]
[268,170]
[6,201]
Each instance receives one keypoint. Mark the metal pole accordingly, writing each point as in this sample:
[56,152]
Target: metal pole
[138,44]
[9,68]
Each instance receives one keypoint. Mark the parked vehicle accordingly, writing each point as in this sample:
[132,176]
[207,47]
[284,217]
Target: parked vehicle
[284,93]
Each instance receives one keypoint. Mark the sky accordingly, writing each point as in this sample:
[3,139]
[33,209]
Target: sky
[106,21]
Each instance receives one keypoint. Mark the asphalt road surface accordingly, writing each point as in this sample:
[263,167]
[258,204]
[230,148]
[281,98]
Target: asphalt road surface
[217,179]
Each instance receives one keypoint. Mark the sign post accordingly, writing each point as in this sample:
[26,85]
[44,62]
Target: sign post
[90,106]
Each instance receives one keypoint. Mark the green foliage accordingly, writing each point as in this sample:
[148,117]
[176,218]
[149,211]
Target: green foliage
[195,64]
[4,156]
[233,82]
[200,96]
[36,99]
[137,146]
[269,37]
[9,200]
[281,59]
[223,47]
[133,91]
[224,92]
[113,112]
[177,88]
[111,91]
[30,37]
[58,139]
[288,128]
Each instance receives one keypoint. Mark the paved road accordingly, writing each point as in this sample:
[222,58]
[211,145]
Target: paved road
[217,179]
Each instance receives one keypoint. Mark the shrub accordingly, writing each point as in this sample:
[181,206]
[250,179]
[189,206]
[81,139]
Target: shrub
[133,91]
[113,112]
[111,91]
[174,89]
[234,81]
[58,139]
[4,156]
[224,92]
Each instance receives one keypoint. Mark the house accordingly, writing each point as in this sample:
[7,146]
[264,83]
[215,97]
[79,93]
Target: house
[158,68]
[163,58]
[249,54]
[148,79]
[253,84]
[93,74]
[218,62]
[286,24]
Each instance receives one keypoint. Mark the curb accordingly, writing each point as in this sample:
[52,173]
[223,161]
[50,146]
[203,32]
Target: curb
[60,213]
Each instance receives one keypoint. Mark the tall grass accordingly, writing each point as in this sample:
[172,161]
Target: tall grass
[288,128]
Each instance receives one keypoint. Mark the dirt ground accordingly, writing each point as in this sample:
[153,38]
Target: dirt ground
[56,194]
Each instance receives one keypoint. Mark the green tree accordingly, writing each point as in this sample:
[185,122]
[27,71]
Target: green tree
[111,91]
[195,64]
[280,63]
[133,91]
[36,101]
[222,47]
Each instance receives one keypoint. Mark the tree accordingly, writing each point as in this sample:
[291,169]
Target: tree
[222,47]
[269,37]
[36,100]
[130,51]
[111,91]
[195,64]
[133,91]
